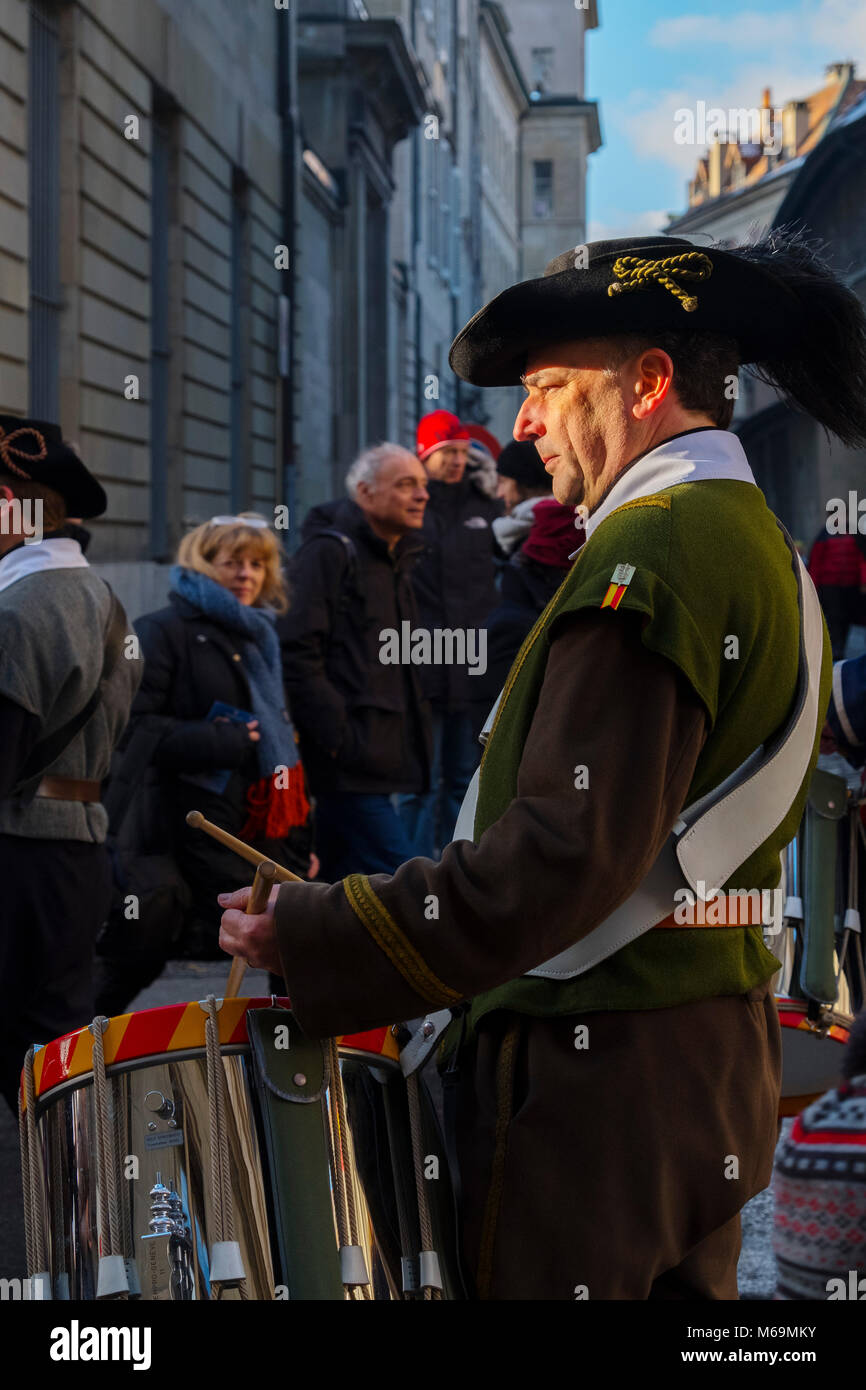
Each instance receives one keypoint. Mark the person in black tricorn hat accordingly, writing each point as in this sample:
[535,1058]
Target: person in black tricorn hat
[617,1054]
[67,678]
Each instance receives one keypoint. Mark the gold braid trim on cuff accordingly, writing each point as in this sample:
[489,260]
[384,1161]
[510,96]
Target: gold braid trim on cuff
[389,938]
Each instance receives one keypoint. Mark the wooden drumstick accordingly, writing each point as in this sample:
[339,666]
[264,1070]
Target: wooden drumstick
[257,902]
[252,856]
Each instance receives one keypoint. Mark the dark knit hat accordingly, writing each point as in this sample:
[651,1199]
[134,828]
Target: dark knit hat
[793,320]
[522,463]
[34,451]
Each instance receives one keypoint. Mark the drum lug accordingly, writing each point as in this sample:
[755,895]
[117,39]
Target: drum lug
[226,1265]
[409,1267]
[112,1280]
[430,1273]
[353,1266]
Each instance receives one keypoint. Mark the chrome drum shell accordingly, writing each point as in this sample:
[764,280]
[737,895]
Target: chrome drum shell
[159,1110]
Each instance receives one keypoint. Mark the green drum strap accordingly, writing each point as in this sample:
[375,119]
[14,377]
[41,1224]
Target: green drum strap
[289,1078]
[826,806]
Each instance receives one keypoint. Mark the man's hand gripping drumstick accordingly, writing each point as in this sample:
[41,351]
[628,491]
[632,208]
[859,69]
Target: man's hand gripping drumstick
[250,935]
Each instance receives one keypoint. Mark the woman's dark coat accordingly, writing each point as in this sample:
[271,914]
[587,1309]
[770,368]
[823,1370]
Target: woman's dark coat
[189,662]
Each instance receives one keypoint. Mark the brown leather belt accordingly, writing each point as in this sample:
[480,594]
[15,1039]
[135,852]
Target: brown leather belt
[69,789]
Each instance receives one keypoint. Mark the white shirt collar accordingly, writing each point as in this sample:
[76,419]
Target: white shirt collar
[690,458]
[61,554]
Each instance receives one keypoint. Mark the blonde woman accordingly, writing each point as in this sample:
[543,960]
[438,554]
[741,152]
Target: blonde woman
[213,691]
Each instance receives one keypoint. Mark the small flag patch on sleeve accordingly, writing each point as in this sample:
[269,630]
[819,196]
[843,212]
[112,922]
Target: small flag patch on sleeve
[619,582]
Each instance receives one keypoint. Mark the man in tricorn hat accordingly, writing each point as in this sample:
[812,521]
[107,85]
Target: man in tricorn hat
[619,1066]
[67,678]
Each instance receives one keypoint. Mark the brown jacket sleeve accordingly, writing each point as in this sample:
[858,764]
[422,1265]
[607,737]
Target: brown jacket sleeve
[553,867]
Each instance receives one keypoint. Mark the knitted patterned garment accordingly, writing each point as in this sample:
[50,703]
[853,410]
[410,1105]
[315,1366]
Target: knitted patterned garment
[820,1199]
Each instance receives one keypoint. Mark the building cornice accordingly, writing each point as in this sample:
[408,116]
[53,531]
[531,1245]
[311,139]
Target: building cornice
[552,105]
[734,199]
[382,60]
[495,26]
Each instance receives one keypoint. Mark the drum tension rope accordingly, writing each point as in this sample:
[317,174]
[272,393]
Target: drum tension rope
[226,1264]
[112,1281]
[353,1266]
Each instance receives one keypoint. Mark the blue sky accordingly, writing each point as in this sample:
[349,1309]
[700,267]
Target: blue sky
[650,58]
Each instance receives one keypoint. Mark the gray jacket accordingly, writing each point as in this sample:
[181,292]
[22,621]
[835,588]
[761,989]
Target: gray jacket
[52,638]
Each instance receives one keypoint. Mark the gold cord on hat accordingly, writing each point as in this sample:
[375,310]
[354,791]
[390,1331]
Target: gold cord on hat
[634,273]
[7,450]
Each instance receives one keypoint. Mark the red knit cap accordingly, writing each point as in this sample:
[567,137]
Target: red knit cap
[437,429]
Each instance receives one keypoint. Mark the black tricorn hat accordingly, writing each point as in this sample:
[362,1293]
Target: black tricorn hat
[793,321]
[34,450]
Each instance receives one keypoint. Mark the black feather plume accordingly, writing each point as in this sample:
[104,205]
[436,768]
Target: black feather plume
[821,366]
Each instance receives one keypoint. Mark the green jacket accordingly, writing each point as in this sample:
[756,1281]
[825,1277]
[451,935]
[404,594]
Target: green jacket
[714,583]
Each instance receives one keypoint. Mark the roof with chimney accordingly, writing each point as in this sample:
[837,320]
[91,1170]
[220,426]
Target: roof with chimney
[730,167]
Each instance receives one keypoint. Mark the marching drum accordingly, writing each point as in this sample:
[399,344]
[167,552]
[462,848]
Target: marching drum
[210,1150]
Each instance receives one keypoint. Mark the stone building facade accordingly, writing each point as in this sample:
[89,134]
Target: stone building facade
[139,290]
[238,236]
[559,131]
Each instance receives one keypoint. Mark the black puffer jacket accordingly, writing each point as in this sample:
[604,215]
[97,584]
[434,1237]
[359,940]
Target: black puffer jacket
[189,662]
[364,726]
[454,579]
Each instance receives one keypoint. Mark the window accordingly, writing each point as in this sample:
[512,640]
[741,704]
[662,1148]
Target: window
[445,187]
[456,228]
[160,341]
[542,67]
[43,111]
[432,163]
[542,188]
[239,443]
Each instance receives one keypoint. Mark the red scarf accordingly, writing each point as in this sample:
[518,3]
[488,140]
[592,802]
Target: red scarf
[275,809]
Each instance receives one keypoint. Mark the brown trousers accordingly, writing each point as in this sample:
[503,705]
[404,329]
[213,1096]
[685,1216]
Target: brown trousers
[616,1170]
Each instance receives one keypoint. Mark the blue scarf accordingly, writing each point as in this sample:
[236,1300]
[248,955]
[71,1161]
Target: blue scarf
[254,632]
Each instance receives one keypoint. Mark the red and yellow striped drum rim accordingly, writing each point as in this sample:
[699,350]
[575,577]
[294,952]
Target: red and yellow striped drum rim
[792,1014]
[173,1028]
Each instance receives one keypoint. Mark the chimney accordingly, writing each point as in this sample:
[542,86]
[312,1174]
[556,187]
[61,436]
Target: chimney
[841,72]
[795,125]
[766,102]
[715,167]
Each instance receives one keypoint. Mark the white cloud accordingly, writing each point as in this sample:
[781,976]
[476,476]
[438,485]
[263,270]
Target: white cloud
[748,29]
[835,29]
[626,224]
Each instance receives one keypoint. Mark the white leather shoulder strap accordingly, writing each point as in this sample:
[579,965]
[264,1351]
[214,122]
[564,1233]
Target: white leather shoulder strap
[725,836]
[717,834]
